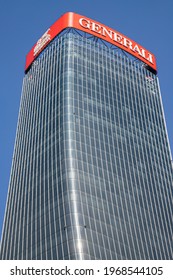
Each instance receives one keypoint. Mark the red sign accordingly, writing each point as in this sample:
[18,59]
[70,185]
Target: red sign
[95,28]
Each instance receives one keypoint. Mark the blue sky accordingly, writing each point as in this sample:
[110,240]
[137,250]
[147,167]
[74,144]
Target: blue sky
[149,23]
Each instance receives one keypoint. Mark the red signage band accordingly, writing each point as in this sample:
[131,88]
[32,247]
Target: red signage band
[94,28]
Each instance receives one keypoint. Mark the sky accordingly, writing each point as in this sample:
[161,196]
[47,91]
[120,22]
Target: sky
[149,23]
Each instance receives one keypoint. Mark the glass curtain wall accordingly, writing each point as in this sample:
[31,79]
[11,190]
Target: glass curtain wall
[91,174]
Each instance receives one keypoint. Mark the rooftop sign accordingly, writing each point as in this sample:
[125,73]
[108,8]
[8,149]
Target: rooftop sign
[94,28]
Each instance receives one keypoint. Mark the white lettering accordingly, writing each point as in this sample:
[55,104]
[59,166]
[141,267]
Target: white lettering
[42,41]
[109,34]
[127,43]
[96,27]
[150,58]
[117,38]
[136,49]
[143,53]
[84,23]
[106,32]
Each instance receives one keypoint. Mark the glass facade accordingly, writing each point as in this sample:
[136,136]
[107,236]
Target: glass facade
[91,174]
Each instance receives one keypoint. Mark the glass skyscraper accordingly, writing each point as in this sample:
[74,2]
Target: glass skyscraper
[91,175]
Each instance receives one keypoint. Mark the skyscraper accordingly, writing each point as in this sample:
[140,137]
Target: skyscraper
[91,174]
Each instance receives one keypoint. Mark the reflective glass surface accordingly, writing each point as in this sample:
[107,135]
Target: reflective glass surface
[91,174]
